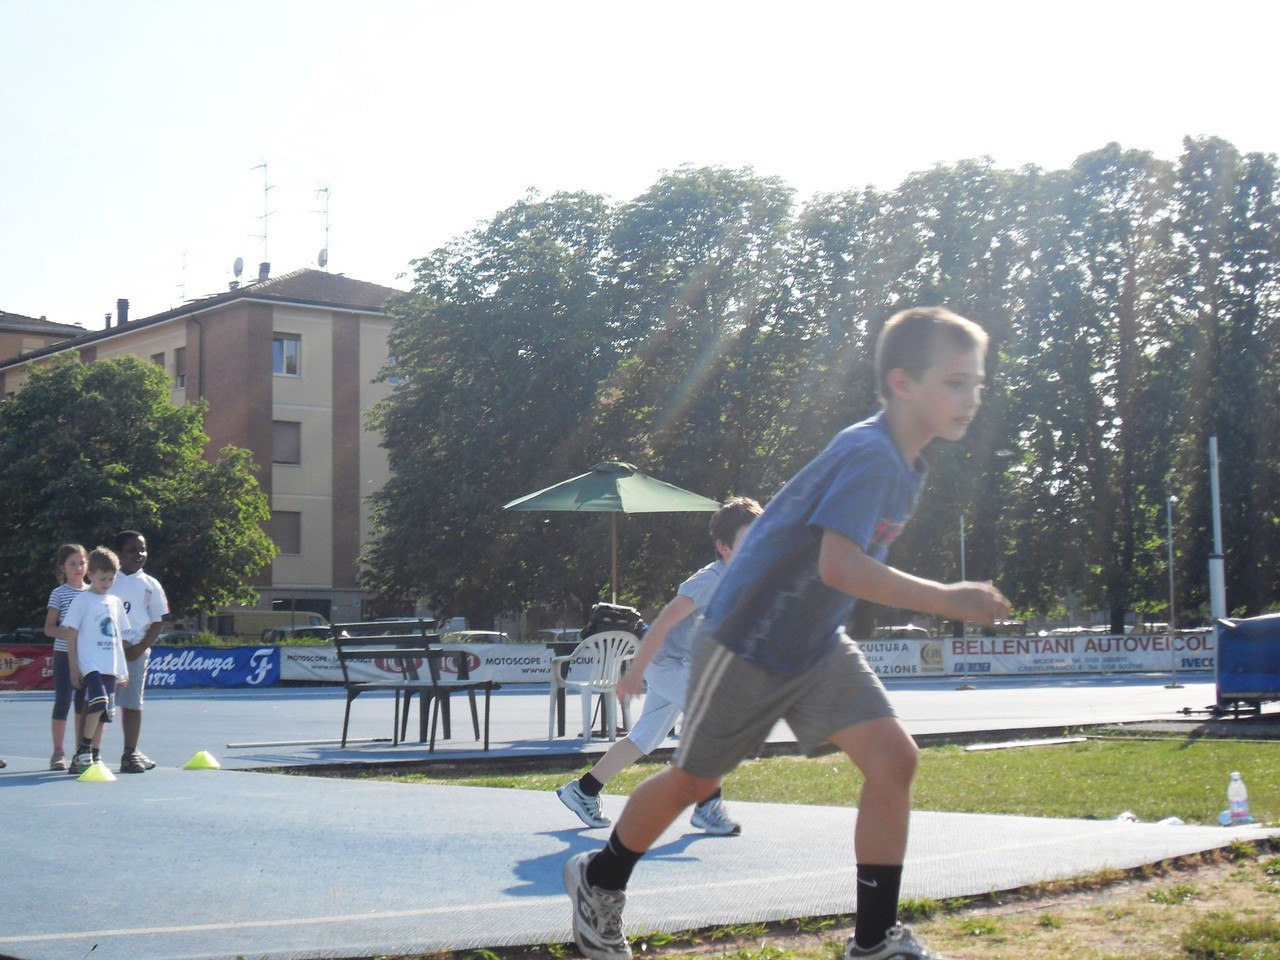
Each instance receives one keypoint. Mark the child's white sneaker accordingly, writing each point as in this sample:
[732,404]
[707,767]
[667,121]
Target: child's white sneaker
[714,818]
[583,804]
[597,914]
[899,944]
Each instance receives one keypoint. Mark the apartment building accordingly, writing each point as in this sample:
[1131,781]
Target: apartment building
[21,335]
[287,366]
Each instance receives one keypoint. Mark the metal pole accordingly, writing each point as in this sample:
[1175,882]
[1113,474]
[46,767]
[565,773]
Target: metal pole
[1217,573]
[613,541]
[1217,504]
[1173,619]
[962,576]
[1217,565]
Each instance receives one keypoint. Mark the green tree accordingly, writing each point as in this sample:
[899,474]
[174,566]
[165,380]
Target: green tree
[712,335]
[498,350]
[697,273]
[1226,223]
[90,449]
[948,236]
[1114,312]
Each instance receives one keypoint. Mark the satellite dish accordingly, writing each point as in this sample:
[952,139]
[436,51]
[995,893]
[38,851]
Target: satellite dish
[238,267]
[323,258]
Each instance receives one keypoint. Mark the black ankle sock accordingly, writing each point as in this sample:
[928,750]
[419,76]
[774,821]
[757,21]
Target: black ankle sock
[590,785]
[878,887]
[610,869]
[96,754]
[84,746]
[715,796]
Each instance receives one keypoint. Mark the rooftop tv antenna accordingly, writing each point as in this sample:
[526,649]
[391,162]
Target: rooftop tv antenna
[266,189]
[182,287]
[323,257]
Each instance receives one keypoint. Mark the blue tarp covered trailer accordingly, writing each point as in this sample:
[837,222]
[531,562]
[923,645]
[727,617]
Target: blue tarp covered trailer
[1248,662]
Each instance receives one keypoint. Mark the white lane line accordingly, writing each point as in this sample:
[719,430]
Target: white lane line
[254,924]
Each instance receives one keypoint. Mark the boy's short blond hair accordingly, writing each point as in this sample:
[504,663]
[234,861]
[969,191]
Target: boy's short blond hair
[103,560]
[908,338]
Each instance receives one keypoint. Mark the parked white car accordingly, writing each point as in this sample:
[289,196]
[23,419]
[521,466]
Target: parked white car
[558,635]
[474,636]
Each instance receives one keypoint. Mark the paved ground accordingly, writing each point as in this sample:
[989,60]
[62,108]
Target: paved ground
[204,864]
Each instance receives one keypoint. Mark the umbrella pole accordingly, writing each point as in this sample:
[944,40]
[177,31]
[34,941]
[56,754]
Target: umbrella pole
[613,517]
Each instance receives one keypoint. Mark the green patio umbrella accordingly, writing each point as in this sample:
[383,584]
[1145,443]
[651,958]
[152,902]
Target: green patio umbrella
[614,488]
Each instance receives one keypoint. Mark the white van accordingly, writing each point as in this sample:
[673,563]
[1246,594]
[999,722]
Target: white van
[254,626]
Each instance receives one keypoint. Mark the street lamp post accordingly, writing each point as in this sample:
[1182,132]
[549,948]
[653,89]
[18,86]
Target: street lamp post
[1173,629]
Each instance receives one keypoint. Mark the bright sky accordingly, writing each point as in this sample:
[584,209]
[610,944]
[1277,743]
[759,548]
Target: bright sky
[132,132]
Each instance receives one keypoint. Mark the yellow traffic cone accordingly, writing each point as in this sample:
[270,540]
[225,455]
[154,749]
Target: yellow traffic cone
[97,773]
[202,761]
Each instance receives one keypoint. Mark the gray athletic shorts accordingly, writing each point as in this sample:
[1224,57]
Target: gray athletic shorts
[129,697]
[732,705]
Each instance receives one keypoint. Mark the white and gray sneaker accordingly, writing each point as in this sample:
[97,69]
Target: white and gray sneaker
[583,804]
[597,914]
[900,944]
[712,817]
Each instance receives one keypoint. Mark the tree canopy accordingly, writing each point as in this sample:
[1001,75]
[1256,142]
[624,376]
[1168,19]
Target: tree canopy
[87,450]
[716,334]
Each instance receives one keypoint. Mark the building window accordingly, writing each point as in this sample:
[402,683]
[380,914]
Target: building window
[393,378]
[180,366]
[286,530]
[286,354]
[158,360]
[286,441]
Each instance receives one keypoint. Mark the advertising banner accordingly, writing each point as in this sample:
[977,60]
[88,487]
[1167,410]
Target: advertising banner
[26,668]
[500,662]
[1081,653]
[510,662]
[310,664]
[1078,653]
[174,668]
[31,667]
[902,658]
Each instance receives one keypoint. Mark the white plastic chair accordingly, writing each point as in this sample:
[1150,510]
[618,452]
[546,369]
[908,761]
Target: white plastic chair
[598,662]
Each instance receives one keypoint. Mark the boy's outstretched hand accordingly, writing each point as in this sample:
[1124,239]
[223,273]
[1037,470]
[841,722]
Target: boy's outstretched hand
[977,603]
[631,684]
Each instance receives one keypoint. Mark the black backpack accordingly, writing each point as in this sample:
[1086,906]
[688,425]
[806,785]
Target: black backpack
[612,616]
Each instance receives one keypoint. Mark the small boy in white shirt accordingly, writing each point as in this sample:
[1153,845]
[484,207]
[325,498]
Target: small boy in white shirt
[95,649]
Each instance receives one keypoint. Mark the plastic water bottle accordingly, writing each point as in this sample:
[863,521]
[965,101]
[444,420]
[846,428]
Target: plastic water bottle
[1238,800]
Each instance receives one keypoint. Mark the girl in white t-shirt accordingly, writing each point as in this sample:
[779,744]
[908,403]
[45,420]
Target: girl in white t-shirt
[95,648]
[69,563]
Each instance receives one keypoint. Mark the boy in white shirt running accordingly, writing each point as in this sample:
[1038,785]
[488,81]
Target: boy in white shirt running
[661,666]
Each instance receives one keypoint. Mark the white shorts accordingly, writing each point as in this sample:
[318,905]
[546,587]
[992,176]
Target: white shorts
[665,683]
[129,697]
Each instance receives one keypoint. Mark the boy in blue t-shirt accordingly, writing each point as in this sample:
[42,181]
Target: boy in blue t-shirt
[772,644]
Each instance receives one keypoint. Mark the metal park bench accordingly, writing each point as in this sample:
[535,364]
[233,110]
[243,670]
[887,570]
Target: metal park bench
[395,662]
